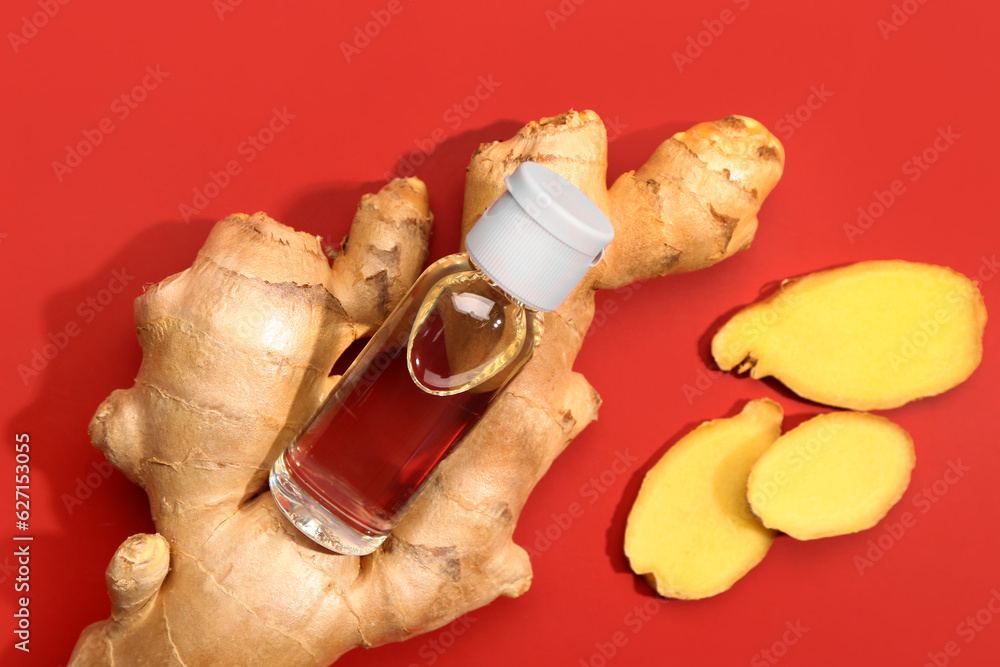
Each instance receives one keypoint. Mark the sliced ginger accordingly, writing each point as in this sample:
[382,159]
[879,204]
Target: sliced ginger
[871,335]
[835,474]
[690,531]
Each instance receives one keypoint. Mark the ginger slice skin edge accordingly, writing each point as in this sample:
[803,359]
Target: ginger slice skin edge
[868,336]
[690,532]
[836,474]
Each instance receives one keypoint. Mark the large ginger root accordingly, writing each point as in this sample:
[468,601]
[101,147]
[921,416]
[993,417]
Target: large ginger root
[237,351]
[836,474]
[872,335]
[690,531]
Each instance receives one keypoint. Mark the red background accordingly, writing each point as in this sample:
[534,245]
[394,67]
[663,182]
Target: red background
[887,94]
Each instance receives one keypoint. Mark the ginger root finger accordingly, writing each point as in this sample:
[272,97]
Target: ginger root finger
[690,532]
[387,243]
[574,144]
[835,474]
[136,572]
[694,202]
[871,335]
[133,578]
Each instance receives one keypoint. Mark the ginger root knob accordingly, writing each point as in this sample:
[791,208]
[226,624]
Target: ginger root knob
[136,572]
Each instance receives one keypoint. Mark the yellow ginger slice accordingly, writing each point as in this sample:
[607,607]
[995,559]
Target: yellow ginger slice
[835,474]
[872,335]
[690,531]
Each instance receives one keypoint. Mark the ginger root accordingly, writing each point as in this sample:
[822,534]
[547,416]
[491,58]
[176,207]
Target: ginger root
[871,335]
[836,474]
[237,352]
[690,531]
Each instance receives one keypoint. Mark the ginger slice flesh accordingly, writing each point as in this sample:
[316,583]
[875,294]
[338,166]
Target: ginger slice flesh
[835,474]
[690,531]
[872,335]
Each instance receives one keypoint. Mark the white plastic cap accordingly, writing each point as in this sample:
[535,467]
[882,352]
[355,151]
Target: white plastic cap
[540,238]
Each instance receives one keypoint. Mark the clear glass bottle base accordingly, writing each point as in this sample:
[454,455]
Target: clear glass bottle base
[314,520]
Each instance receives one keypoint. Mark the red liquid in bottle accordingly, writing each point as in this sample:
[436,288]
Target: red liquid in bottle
[371,448]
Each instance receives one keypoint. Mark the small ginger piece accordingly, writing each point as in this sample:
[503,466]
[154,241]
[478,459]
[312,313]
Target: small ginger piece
[690,531]
[871,335]
[835,474]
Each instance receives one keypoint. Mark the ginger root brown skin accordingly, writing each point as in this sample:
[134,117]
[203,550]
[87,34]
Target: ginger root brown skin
[237,352]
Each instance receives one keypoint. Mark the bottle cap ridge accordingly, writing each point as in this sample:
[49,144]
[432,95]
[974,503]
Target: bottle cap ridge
[540,238]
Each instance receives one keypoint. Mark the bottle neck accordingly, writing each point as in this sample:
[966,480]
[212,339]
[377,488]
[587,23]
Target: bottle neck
[510,297]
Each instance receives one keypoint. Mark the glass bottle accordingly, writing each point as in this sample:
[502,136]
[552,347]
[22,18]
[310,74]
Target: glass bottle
[462,332]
